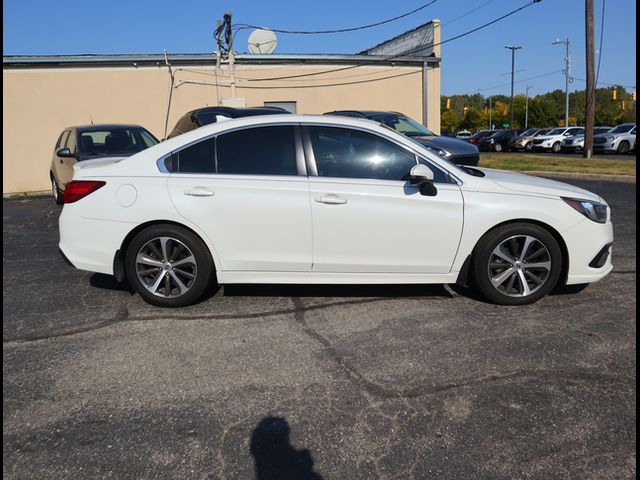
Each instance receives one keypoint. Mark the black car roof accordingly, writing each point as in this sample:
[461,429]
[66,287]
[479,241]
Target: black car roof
[363,113]
[237,112]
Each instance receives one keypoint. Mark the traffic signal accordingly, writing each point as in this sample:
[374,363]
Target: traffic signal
[633,96]
[614,94]
[448,103]
[622,104]
[465,110]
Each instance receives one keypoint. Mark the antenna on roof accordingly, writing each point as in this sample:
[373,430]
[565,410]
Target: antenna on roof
[90,119]
[262,41]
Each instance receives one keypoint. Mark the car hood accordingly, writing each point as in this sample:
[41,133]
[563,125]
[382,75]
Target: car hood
[449,144]
[519,182]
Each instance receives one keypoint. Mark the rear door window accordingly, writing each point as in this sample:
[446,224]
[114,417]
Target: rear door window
[257,151]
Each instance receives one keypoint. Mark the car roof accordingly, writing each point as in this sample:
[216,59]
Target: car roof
[101,126]
[238,112]
[363,113]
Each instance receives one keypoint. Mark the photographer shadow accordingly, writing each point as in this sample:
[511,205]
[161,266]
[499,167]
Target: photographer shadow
[275,458]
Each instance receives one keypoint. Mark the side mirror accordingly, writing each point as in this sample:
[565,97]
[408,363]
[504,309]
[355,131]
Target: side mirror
[420,174]
[422,177]
[64,152]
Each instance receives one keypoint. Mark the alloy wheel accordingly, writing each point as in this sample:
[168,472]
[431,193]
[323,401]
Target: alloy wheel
[166,267]
[519,266]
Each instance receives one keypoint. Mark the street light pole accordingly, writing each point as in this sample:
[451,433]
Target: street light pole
[490,114]
[567,78]
[526,108]
[513,62]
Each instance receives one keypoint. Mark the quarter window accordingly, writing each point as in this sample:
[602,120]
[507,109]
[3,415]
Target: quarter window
[345,153]
[197,158]
[71,141]
[258,151]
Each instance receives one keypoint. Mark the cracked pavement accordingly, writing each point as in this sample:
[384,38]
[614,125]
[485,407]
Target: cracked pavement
[330,382]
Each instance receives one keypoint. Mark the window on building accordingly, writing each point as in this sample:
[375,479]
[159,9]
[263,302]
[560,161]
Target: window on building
[290,107]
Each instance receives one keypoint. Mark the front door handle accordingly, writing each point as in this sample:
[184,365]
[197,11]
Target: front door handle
[199,192]
[330,200]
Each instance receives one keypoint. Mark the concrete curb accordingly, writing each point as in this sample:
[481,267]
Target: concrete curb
[583,176]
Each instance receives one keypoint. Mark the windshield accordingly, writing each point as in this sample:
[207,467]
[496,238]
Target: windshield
[528,133]
[114,141]
[622,128]
[404,125]
[556,131]
[600,130]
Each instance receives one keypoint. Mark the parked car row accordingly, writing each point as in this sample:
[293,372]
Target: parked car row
[621,139]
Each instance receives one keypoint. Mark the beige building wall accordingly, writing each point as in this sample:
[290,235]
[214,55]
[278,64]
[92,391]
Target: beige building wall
[39,103]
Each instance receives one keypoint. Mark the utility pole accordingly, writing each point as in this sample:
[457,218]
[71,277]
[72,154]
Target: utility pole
[526,108]
[513,63]
[232,68]
[567,78]
[490,113]
[590,110]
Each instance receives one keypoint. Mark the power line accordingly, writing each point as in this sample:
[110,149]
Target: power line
[409,52]
[248,79]
[468,13]
[183,82]
[340,30]
[608,84]
[520,81]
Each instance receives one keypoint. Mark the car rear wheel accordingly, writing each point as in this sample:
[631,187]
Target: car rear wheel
[168,266]
[623,147]
[58,196]
[517,264]
[556,147]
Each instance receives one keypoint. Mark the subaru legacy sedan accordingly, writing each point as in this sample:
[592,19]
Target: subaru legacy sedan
[298,199]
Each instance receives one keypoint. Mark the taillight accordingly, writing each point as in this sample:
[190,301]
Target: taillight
[77,189]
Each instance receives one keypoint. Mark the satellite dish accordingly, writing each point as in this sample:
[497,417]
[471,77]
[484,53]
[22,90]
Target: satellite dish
[262,41]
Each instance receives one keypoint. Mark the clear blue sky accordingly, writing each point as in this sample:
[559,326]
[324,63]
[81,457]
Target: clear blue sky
[476,62]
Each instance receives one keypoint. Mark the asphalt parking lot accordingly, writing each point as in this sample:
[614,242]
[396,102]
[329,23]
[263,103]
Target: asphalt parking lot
[313,382]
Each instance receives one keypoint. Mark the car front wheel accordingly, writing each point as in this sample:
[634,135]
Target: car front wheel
[168,266]
[498,147]
[556,147]
[623,147]
[517,264]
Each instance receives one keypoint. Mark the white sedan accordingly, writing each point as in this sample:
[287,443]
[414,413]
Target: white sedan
[325,200]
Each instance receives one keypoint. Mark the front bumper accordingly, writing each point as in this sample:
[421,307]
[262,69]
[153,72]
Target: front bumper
[589,245]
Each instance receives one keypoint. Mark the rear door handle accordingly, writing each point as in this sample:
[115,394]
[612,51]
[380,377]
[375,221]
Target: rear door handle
[330,199]
[199,192]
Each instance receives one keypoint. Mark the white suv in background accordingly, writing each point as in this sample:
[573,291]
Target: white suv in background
[621,139]
[552,141]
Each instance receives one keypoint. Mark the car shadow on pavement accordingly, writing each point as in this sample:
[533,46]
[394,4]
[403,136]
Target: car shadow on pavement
[271,290]
[109,282]
[275,458]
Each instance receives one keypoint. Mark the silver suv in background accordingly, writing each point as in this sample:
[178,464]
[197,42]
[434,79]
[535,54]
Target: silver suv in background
[552,140]
[621,139]
[575,143]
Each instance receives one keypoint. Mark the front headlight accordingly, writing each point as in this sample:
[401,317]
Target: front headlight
[437,150]
[610,139]
[592,210]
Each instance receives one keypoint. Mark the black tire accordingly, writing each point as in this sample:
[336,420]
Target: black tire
[540,280]
[528,146]
[556,147]
[199,266]
[623,147]
[58,195]
[497,147]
